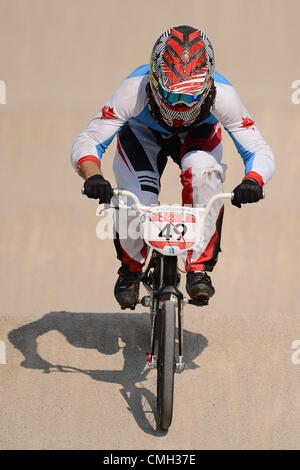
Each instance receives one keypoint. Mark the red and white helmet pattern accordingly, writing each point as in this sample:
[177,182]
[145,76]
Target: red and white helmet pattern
[182,68]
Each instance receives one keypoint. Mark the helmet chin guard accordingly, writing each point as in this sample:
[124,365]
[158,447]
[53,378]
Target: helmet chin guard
[183,126]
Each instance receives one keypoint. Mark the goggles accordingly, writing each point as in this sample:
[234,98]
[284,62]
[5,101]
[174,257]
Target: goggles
[172,98]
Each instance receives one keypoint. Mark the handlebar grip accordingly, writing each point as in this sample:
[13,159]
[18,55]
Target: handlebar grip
[262,196]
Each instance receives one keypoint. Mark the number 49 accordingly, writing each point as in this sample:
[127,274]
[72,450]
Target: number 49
[179,229]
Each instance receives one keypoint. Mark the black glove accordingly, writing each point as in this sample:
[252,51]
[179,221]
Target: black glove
[97,187]
[248,191]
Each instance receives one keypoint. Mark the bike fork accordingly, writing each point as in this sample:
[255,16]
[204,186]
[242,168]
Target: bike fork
[180,362]
[152,357]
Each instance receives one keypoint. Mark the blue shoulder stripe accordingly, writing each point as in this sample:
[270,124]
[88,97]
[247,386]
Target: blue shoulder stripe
[140,71]
[220,79]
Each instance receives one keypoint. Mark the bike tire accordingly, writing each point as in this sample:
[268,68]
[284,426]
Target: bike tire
[166,365]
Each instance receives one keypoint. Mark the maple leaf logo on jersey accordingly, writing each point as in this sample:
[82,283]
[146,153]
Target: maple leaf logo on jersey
[108,113]
[247,122]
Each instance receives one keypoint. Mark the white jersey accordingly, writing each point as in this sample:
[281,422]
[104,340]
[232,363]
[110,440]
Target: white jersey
[129,102]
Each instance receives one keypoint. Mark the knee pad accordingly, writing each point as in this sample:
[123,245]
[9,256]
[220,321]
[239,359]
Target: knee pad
[204,165]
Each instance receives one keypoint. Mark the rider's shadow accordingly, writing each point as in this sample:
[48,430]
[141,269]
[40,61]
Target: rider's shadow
[104,332]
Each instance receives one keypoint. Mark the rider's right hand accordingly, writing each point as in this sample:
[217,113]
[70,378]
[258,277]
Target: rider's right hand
[97,187]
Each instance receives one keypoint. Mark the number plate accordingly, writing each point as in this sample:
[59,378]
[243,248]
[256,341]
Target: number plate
[170,230]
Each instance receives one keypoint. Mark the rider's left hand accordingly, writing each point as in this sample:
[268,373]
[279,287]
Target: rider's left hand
[246,192]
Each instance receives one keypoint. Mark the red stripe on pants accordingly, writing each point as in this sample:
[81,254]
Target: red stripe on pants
[134,266]
[187,190]
[207,254]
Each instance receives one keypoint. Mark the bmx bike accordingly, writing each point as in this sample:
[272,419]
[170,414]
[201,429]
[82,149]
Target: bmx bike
[169,231]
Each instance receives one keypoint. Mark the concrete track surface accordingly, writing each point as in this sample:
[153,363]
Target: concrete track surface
[75,375]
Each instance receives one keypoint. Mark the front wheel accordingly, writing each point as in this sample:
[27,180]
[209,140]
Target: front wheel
[166,365]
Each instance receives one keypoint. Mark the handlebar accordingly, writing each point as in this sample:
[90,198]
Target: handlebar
[123,192]
[137,204]
[117,192]
[215,198]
